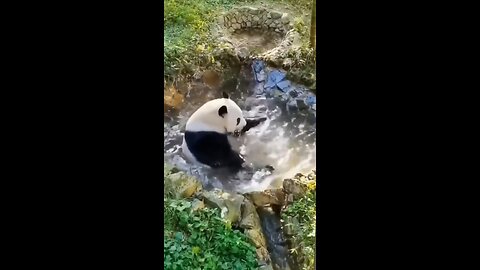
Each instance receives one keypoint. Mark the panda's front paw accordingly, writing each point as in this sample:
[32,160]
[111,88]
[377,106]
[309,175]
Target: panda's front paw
[252,123]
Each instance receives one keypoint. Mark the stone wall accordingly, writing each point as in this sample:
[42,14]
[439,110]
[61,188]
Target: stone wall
[256,18]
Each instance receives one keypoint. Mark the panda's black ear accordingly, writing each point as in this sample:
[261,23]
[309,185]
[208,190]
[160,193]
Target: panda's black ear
[225,95]
[222,111]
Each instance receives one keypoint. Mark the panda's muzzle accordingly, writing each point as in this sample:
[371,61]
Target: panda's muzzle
[236,133]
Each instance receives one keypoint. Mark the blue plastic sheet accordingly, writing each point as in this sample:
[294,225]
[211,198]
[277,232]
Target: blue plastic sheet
[310,100]
[284,85]
[276,85]
[274,78]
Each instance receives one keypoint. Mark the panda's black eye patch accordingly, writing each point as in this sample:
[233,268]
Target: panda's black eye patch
[238,121]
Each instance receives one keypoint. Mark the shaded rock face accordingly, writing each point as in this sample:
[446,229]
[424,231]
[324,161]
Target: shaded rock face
[250,217]
[230,204]
[253,230]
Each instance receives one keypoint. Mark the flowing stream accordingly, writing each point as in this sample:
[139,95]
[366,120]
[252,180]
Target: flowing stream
[286,141]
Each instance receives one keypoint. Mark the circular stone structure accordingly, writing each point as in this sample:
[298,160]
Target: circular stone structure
[256,18]
[261,31]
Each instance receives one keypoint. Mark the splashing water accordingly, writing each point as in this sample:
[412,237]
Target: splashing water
[286,140]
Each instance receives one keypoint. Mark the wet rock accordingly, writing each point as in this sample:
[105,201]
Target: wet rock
[197,205]
[261,263]
[262,255]
[277,93]
[294,187]
[257,237]
[261,76]
[258,90]
[301,104]
[214,198]
[267,197]
[234,206]
[266,267]
[250,218]
[292,104]
[180,185]
[269,91]
[231,203]
[293,93]
[285,97]
[251,223]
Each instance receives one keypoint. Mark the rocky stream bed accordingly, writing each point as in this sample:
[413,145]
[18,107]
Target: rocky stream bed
[258,58]
[258,215]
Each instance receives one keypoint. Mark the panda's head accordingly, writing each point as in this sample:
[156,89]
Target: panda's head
[231,115]
[221,115]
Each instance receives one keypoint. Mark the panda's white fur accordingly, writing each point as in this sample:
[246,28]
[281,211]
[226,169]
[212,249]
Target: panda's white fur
[206,117]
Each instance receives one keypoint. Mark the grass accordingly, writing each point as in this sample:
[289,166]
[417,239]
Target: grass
[201,240]
[188,43]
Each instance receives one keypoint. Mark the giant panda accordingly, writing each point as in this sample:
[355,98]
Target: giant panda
[205,140]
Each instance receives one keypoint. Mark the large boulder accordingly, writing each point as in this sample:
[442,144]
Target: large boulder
[253,230]
[296,187]
[179,185]
[267,197]
[250,218]
[230,204]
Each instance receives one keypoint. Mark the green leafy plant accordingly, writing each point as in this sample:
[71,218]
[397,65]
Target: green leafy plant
[304,210]
[201,240]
